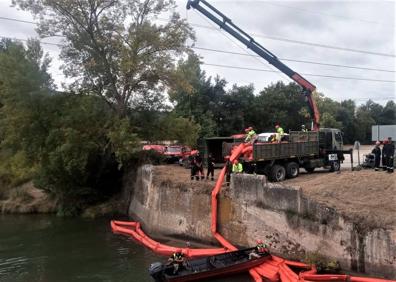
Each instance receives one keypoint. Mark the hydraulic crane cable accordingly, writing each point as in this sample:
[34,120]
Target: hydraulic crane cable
[307,74]
[320,45]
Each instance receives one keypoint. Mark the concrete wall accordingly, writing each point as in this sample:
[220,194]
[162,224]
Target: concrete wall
[169,209]
[253,208]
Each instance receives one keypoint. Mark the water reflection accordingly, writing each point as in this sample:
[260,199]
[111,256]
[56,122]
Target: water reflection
[46,248]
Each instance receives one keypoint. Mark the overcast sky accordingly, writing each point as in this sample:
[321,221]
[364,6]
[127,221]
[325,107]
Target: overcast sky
[367,27]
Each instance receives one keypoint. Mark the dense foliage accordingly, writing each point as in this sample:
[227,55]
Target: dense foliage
[222,113]
[114,47]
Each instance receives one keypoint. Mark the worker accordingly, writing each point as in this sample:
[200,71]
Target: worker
[279,133]
[237,167]
[199,167]
[177,259]
[260,250]
[193,168]
[388,152]
[228,170]
[377,155]
[303,128]
[384,149]
[210,163]
[272,138]
[250,135]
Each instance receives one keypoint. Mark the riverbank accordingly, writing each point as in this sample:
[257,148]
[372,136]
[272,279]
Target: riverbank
[26,199]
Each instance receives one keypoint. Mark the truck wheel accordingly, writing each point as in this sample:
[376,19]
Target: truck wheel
[309,169]
[278,173]
[335,166]
[292,170]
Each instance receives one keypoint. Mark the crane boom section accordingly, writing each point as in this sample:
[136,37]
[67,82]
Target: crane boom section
[225,23]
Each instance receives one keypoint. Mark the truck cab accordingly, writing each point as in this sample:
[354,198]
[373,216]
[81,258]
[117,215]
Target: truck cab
[174,153]
[331,147]
[330,139]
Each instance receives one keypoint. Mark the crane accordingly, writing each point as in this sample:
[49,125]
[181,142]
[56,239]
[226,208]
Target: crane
[225,23]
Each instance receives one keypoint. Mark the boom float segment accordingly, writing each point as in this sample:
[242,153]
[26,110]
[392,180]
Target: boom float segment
[133,230]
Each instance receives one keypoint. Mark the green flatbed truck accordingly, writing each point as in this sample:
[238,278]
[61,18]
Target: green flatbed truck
[308,150]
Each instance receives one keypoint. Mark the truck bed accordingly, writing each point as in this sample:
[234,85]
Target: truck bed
[273,151]
[300,144]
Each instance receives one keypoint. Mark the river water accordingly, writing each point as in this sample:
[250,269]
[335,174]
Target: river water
[46,248]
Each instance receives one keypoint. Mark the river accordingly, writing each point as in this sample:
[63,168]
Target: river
[46,248]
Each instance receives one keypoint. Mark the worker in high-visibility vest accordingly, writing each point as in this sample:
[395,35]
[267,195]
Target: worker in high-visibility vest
[237,167]
[279,133]
[250,135]
[260,250]
[177,259]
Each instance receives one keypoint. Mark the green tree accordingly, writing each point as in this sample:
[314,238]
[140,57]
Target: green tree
[237,111]
[182,129]
[280,103]
[113,47]
[364,121]
[346,116]
[83,151]
[73,146]
[24,84]
[388,115]
[197,97]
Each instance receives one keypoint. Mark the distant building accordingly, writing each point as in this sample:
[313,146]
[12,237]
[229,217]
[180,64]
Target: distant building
[382,132]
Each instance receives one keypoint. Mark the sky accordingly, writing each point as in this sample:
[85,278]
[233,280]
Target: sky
[350,33]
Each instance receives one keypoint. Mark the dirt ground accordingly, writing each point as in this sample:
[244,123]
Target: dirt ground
[366,196]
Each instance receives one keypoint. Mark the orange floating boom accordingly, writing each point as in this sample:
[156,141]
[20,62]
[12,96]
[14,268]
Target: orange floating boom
[133,229]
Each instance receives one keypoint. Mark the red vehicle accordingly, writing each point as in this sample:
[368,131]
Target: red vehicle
[178,153]
[158,148]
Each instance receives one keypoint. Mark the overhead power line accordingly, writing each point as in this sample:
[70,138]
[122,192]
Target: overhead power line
[236,67]
[292,60]
[263,36]
[323,14]
[306,43]
[307,74]
[229,52]
[17,20]
[25,40]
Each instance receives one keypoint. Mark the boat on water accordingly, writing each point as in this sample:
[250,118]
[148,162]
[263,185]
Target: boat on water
[207,267]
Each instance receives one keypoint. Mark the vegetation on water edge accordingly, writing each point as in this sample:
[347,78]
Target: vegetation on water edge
[323,263]
[130,82]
